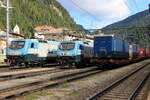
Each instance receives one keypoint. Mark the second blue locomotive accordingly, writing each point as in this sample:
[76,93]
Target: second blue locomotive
[75,53]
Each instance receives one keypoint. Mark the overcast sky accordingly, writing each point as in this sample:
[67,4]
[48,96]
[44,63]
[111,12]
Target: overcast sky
[99,13]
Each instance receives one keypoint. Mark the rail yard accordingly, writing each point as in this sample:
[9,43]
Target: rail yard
[74,50]
[34,65]
[122,83]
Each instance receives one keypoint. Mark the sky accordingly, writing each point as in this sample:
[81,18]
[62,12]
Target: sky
[93,14]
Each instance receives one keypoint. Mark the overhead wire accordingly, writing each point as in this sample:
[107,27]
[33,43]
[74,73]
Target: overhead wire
[86,11]
[125,2]
[136,5]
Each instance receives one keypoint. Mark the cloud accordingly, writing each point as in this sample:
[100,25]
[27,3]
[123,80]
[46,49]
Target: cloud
[105,11]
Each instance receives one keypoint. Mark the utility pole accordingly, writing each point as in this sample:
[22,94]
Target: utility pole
[149,7]
[7,7]
[7,23]
[148,36]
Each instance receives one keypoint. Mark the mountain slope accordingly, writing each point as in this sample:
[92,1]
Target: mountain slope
[131,21]
[135,29]
[31,13]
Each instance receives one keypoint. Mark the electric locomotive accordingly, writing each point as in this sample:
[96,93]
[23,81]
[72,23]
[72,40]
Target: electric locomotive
[75,53]
[27,52]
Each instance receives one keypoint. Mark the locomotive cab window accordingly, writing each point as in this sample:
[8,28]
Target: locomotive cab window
[32,45]
[67,46]
[17,44]
[81,47]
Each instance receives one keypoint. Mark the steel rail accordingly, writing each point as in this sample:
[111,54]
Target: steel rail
[27,74]
[136,91]
[46,80]
[100,93]
[62,80]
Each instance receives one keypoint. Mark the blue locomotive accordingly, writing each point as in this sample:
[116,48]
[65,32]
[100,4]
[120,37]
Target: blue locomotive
[75,53]
[28,52]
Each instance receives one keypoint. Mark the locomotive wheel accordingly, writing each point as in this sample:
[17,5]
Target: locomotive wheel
[24,65]
[101,66]
[78,65]
[73,65]
[41,63]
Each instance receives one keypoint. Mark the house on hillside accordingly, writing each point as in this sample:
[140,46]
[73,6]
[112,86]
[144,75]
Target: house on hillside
[51,33]
[11,37]
[16,29]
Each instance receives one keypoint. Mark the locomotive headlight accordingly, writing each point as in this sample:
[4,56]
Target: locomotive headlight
[79,52]
[14,53]
[17,53]
[96,55]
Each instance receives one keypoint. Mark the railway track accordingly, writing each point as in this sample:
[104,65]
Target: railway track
[16,91]
[7,68]
[125,88]
[20,74]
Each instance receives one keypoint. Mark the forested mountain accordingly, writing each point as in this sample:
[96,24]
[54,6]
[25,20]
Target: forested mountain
[135,29]
[31,13]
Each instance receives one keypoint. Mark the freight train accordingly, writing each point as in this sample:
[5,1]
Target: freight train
[110,50]
[29,52]
[144,52]
[106,50]
[75,53]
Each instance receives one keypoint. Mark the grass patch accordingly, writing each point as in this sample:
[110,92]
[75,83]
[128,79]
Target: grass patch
[31,97]
[75,92]
[45,92]
[36,95]
[63,86]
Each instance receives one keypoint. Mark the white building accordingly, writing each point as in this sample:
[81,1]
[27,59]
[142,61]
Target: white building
[16,29]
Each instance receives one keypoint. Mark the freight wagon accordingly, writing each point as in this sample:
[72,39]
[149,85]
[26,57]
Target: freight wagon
[110,47]
[109,50]
[75,53]
[134,51]
[144,52]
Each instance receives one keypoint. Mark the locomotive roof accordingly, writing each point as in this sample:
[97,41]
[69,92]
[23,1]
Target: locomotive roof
[83,42]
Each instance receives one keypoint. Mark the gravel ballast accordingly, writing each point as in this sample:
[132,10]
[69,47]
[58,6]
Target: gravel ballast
[81,89]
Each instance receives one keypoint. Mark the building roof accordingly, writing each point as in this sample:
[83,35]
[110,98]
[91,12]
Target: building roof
[49,29]
[44,28]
